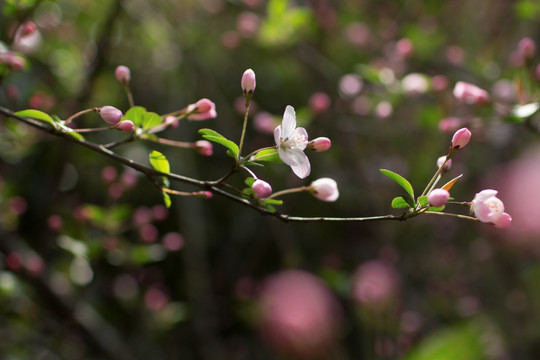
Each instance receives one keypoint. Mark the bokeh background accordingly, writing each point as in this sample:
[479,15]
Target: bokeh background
[93,266]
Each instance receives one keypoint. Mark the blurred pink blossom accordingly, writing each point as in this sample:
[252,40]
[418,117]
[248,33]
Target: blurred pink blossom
[247,24]
[264,122]
[470,94]
[526,48]
[375,284]
[319,102]
[450,124]
[299,316]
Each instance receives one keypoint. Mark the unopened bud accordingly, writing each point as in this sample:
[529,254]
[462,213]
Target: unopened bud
[248,81]
[122,74]
[28,28]
[126,125]
[447,165]
[438,197]
[325,189]
[460,138]
[203,147]
[319,144]
[202,110]
[204,194]
[261,188]
[110,114]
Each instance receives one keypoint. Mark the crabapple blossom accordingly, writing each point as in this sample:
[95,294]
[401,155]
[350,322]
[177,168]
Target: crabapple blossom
[470,94]
[291,142]
[203,147]
[460,138]
[325,189]
[202,110]
[261,188]
[375,284]
[122,74]
[248,81]
[490,209]
[110,114]
[438,197]
[319,144]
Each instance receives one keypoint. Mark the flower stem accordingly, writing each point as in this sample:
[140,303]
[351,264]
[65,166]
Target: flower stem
[180,144]
[288,191]
[82,112]
[248,100]
[435,177]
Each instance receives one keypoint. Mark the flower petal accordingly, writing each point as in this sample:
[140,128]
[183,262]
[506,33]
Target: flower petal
[300,133]
[288,123]
[277,135]
[484,195]
[301,166]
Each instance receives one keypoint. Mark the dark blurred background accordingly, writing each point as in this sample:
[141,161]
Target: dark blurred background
[93,266]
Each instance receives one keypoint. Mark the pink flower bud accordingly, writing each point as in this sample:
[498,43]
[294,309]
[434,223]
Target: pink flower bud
[438,197]
[126,125]
[204,194]
[28,28]
[470,94]
[202,110]
[325,189]
[122,74]
[110,114]
[450,124]
[319,144]
[109,174]
[248,81]
[460,138]
[447,166]
[526,48]
[261,188]
[203,147]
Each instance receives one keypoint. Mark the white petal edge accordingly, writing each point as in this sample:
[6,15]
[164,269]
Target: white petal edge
[288,124]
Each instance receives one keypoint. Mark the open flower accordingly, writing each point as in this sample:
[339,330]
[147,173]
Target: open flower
[490,209]
[291,142]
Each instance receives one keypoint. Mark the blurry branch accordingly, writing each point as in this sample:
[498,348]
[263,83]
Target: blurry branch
[215,187]
[100,337]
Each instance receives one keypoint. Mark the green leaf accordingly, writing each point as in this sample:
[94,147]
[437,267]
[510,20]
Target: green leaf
[67,130]
[404,183]
[423,201]
[270,155]
[465,341]
[273,202]
[249,181]
[216,137]
[38,115]
[135,114]
[402,202]
[151,120]
[225,142]
[436,209]
[159,162]
[166,200]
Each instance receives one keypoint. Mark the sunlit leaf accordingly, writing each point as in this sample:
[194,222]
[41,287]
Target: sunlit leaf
[270,155]
[465,341]
[423,201]
[404,183]
[167,200]
[135,114]
[400,202]
[159,162]
[38,115]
